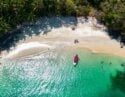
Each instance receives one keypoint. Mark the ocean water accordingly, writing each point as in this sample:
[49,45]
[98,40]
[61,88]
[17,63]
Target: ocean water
[52,74]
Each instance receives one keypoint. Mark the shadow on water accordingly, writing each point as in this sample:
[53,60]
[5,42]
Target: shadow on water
[118,81]
[117,86]
[41,26]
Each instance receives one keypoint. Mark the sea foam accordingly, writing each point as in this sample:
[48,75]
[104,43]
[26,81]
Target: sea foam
[26,46]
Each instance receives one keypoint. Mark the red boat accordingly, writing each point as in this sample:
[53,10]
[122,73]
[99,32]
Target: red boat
[76,59]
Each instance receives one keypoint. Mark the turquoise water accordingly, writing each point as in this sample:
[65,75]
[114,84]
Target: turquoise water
[56,76]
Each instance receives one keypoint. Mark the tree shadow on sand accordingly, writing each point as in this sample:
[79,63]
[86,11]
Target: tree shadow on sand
[117,36]
[44,25]
[41,26]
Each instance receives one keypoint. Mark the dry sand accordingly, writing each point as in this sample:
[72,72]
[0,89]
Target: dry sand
[90,35]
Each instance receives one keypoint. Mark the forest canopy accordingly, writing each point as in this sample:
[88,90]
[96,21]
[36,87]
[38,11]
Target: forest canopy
[15,12]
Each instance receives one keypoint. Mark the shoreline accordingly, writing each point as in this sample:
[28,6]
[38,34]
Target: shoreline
[111,47]
[89,36]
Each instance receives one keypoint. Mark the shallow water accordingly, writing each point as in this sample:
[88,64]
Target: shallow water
[53,75]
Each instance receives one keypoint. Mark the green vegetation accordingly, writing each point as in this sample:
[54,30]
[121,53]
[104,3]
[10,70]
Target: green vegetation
[15,12]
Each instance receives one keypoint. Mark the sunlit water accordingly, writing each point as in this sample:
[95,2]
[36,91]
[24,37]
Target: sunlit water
[53,75]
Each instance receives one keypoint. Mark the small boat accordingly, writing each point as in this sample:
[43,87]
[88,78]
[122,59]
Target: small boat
[75,60]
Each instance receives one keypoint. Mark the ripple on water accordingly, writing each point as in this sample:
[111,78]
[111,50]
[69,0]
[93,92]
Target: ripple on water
[53,75]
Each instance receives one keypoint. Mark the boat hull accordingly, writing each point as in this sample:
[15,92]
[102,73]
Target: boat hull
[74,63]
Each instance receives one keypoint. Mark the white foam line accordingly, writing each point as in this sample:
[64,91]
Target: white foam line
[26,46]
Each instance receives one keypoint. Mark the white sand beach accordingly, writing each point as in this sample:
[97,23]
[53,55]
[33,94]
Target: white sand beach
[90,34]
